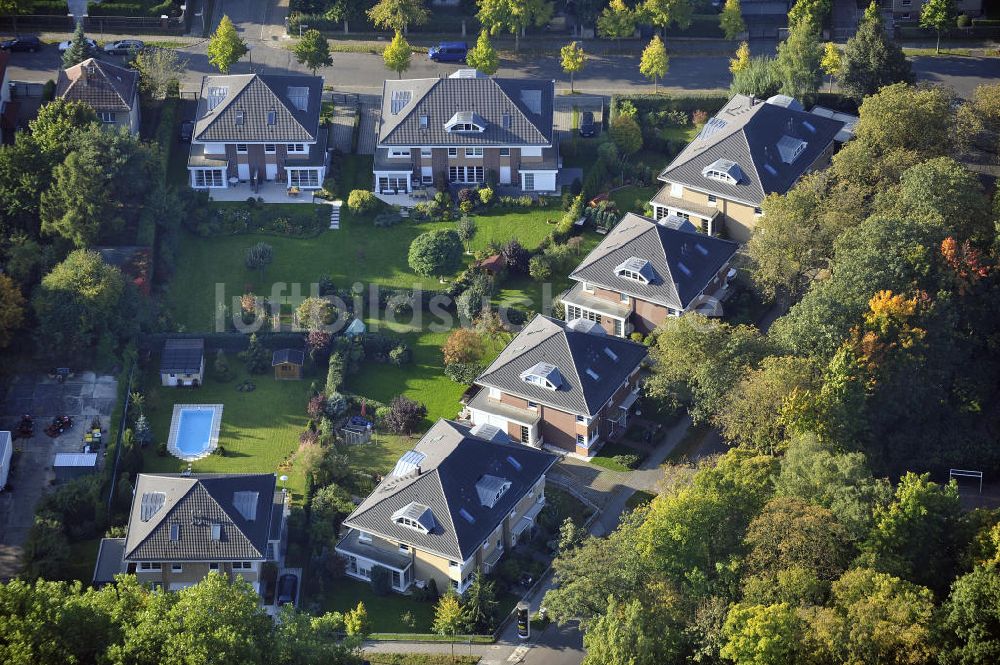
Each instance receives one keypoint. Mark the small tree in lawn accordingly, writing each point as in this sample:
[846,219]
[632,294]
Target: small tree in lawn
[483,57]
[731,19]
[831,62]
[225,48]
[357,623]
[397,55]
[79,49]
[256,357]
[405,415]
[436,253]
[654,63]
[937,14]
[259,257]
[617,21]
[572,59]
[313,51]
[448,617]
[463,345]
[741,61]
[627,137]
[142,432]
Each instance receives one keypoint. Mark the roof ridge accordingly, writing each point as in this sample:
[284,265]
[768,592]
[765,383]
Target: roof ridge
[669,277]
[519,108]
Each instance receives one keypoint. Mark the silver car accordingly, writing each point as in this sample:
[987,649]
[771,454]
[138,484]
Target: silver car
[124,47]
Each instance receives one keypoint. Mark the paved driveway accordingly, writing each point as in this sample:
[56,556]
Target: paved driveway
[83,398]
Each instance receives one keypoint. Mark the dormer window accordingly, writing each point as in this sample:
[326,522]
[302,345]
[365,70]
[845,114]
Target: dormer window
[790,148]
[490,489]
[415,516]
[723,170]
[465,121]
[543,374]
[636,269]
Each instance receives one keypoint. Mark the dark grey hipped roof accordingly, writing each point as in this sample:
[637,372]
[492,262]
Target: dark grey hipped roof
[245,113]
[445,483]
[203,517]
[668,250]
[572,352]
[182,356]
[747,132]
[104,86]
[515,111]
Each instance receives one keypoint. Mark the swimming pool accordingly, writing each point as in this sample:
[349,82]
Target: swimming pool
[194,430]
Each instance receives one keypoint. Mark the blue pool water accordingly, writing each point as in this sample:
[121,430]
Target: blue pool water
[194,431]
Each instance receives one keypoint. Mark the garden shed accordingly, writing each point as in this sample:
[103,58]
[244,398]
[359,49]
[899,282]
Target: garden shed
[68,466]
[183,362]
[287,364]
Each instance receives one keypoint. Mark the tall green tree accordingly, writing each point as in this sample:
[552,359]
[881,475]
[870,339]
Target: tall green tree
[436,253]
[56,124]
[572,58]
[11,309]
[79,49]
[872,60]
[81,299]
[313,51]
[483,57]
[636,632]
[160,69]
[617,21]
[225,47]
[798,61]
[654,63]
[763,635]
[811,11]
[663,13]
[398,15]
[731,19]
[938,14]
[479,606]
[627,137]
[758,77]
[972,617]
[832,62]
[397,55]
[25,172]
[513,16]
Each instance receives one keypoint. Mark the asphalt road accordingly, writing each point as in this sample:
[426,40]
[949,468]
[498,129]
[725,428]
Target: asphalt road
[364,72]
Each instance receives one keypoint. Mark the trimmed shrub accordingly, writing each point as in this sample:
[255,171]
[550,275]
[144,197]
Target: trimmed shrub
[486,195]
[464,373]
[362,201]
[627,461]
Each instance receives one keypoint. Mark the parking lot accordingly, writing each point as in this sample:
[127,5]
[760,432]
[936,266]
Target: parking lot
[83,398]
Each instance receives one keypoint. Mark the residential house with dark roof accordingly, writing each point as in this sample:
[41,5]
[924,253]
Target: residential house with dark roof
[257,128]
[451,506]
[749,149]
[182,362]
[113,91]
[181,527]
[565,385]
[8,107]
[466,129]
[644,271]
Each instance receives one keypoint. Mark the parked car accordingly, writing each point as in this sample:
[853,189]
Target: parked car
[187,130]
[91,44]
[28,43]
[124,47]
[587,126]
[287,588]
[448,52]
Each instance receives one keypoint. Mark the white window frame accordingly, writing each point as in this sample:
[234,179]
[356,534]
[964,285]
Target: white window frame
[399,153]
[426,152]
[203,181]
[505,152]
[473,153]
[270,149]
[453,152]
[107,117]
[297,149]
[241,149]
[303,178]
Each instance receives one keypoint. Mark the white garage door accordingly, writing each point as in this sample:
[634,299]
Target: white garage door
[270,171]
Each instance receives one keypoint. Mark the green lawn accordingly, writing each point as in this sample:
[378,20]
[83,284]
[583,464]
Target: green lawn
[260,429]
[633,198]
[566,505]
[385,612]
[609,450]
[357,253]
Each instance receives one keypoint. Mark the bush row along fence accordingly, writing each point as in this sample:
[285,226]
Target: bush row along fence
[98,25]
[233,341]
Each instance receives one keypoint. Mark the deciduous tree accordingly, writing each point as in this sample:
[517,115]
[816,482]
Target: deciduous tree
[313,51]
[572,59]
[741,60]
[464,345]
[832,62]
[397,55]
[664,13]
[798,61]
[11,309]
[513,16]
[871,59]
[56,124]
[159,70]
[617,21]
[397,15]
[483,57]
[225,47]
[654,63]
[435,253]
[731,19]
[938,14]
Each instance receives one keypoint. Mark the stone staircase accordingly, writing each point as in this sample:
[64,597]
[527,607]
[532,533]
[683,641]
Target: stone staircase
[335,215]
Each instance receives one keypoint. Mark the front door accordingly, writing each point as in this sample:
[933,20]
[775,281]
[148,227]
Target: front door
[270,171]
[504,175]
[243,171]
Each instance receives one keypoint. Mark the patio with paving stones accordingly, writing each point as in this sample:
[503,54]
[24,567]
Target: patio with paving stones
[82,398]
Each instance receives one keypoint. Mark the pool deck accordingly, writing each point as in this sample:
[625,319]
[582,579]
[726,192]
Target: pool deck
[213,439]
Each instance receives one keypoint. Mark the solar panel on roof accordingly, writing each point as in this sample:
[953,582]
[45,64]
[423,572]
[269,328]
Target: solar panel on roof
[513,462]
[701,249]
[467,516]
[684,269]
[150,504]
[399,99]
[594,375]
[408,463]
[770,169]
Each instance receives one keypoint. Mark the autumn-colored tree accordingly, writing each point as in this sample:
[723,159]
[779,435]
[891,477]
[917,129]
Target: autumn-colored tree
[463,345]
[11,309]
[965,262]
[741,60]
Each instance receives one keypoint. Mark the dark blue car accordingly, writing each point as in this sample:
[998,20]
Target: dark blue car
[448,52]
